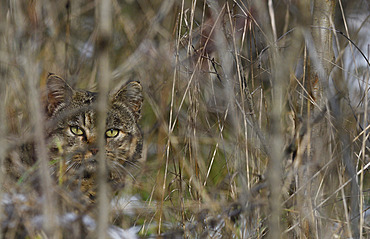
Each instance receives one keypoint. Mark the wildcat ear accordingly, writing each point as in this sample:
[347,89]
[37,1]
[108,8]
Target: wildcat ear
[57,92]
[131,95]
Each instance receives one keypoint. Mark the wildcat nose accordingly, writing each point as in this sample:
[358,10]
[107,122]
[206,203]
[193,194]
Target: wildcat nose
[94,150]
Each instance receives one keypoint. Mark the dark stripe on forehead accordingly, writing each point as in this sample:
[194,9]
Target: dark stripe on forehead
[84,119]
[90,121]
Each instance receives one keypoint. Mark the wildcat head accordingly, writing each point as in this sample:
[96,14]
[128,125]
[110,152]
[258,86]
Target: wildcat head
[73,132]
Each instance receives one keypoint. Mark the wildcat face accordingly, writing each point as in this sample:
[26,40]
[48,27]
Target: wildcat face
[73,133]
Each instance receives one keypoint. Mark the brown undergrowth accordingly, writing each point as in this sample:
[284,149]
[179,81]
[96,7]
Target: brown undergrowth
[243,125]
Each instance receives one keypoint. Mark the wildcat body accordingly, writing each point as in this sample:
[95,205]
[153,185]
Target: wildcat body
[72,134]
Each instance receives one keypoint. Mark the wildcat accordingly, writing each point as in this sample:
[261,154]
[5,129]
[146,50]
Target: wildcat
[72,134]
[70,124]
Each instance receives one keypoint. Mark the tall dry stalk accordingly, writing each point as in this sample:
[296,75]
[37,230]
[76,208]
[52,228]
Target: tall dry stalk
[104,36]
[3,143]
[323,16]
[31,68]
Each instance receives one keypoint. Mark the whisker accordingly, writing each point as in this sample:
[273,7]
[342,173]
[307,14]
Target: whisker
[120,166]
[133,163]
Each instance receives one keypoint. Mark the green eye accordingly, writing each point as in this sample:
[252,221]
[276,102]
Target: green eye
[76,130]
[111,133]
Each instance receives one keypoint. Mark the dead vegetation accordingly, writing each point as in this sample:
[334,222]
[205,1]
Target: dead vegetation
[255,115]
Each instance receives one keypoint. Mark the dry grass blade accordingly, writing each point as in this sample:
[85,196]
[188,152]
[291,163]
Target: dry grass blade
[104,36]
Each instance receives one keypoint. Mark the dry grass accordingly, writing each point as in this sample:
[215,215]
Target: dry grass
[245,135]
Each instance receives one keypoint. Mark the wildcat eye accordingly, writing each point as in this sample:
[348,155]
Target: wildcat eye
[76,130]
[111,133]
